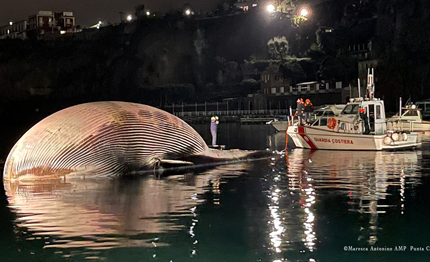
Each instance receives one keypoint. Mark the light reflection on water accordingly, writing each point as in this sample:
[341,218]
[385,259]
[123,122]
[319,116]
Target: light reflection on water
[251,211]
[105,213]
[364,177]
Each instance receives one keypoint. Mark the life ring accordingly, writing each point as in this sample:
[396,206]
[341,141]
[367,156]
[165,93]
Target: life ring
[332,123]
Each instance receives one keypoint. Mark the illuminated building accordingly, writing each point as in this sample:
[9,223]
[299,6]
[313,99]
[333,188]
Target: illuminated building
[39,24]
[51,22]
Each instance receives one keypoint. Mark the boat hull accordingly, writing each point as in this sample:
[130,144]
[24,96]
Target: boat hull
[280,125]
[315,138]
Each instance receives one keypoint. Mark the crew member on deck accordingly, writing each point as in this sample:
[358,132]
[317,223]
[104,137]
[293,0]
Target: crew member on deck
[363,116]
[299,110]
[308,110]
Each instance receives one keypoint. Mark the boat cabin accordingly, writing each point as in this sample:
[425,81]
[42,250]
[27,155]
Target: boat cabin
[349,118]
[409,113]
[322,114]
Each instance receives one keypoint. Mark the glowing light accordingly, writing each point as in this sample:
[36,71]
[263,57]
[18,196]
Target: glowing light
[304,11]
[148,13]
[270,8]
[10,23]
[188,12]
[129,18]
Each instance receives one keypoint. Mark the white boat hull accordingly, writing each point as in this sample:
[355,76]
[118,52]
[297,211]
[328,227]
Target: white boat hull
[316,138]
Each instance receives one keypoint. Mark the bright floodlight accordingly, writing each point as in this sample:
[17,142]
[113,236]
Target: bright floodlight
[129,18]
[304,11]
[270,8]
[188,12]
[148,13]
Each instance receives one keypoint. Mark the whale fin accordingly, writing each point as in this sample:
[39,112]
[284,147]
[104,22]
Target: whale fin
[172,162]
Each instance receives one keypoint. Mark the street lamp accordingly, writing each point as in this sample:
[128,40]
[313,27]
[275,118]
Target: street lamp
[304,12]
[129,17]
[188,12]
[270,8]
[148,13]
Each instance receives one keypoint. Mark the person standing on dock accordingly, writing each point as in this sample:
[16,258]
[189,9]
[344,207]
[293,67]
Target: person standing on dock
[214,127]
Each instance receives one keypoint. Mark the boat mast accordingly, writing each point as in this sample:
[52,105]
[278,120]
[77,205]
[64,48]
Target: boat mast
[359,92]
[400,108]
[370,84]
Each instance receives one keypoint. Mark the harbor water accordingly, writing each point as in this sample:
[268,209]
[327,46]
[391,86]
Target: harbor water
[299,206]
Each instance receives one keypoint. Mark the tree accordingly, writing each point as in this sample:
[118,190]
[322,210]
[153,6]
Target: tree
[292,70]
[278,47]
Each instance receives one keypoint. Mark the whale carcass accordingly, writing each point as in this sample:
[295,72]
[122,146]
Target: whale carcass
[105,139]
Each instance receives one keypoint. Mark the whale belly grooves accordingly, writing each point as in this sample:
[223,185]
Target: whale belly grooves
[107,139]
[104,138]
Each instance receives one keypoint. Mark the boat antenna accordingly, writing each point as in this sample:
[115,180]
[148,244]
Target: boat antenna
[350,91]
[373,82]
[408,102]
[359,93]
[400,108]
[370,84]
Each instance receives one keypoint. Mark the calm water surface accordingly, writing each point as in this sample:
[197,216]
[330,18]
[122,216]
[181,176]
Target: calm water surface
[302,206]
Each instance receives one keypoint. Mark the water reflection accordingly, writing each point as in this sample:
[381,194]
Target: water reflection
[104,213]
[367,179]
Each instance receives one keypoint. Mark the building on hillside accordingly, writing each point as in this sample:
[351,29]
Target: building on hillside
[42,21]
[19,30]
[14,30]
[273,83]
[246,5]
[49,22]
[5,31]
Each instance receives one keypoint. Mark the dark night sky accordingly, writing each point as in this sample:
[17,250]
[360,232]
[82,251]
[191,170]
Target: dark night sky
[89,12]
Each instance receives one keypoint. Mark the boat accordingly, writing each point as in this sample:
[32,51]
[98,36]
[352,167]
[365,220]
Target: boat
[319,117]
[355,130]
[410,119]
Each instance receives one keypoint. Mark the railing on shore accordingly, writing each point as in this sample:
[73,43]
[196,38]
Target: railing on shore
[262,112]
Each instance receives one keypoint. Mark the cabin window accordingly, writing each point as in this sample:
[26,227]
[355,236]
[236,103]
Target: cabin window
[350,109]
[411,113]
[378,112]
[323,121]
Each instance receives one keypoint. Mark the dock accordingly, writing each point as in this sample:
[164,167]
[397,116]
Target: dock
[221,147]
[255,120]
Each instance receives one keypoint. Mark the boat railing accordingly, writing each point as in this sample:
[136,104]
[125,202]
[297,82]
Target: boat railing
[398,124]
